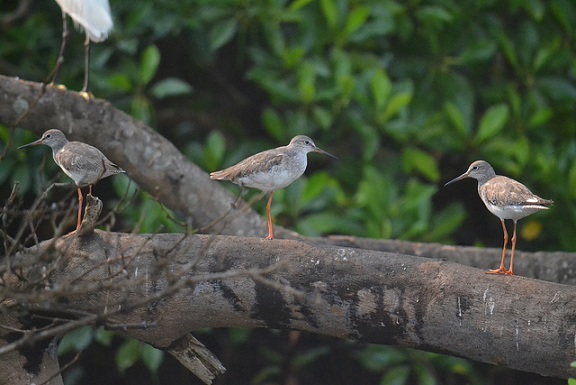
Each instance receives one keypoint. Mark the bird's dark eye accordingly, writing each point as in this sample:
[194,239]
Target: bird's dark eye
[307,141]
[48,136]
[475,168]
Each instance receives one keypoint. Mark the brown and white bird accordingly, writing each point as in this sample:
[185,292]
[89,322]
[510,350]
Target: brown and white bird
[507,199]
[272,170]
[85,164]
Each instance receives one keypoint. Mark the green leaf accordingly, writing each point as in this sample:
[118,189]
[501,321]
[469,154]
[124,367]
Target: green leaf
[541,117]
[571,381]
[535,8]
[564,11]
[222,33]
[456,118]
[149,62]
[378,358]
[381,87]
[152,357]
[297,4]
[327,223]
[128,354]
[492,122]
[141,109]
[103,336]
[397,102]
[330,12]
[417,160]
[477,52]
[396,376]
[120,82]
[446,222]
[507,48]
[215,150]
[433,13]
[322,117]
[77,340]
[306,80]
[273,123]
[170,87]
[356,19]
[572,180]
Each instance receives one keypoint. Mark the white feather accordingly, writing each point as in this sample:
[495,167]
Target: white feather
[94,16]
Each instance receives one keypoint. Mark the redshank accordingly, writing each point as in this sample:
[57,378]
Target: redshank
[507,199]
[85,164]
[95,17]
[272,170]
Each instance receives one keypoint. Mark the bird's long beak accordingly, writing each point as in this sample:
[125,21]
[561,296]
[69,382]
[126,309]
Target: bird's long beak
[34,143]
[463,176]
[324,152]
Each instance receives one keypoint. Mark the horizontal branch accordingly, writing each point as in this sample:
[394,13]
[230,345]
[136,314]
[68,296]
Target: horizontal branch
[194,282]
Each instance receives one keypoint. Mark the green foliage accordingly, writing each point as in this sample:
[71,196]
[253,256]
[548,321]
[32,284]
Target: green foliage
[406,366]
[406,94]
[131,351]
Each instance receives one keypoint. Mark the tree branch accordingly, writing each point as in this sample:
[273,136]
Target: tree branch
[207,281]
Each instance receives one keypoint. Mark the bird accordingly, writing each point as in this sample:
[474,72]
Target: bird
[272,170]
[82,162]
[507,199]
[95,18]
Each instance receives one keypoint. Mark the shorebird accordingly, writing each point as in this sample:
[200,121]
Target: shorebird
[272,170]
[85,164]
[95,18]
[507,199]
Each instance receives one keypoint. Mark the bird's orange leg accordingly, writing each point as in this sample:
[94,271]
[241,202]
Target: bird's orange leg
[79,221]
[501,269]
[510,271]
[270,231]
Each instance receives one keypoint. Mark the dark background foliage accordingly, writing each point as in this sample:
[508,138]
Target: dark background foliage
[406,93]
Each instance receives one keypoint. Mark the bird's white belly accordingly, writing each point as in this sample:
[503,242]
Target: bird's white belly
[514,212]
[277,178]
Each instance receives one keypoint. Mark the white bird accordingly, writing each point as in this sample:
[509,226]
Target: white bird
[95,18]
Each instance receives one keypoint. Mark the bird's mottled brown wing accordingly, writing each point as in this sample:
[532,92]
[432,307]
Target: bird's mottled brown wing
[257,163]
[80,156]
[84,163]
[502,190]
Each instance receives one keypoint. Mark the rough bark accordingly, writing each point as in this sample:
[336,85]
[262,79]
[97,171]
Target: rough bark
[367,290]
[200,281]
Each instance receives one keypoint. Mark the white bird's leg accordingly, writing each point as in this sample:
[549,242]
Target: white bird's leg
[501,269]
[52,78]
[86,64]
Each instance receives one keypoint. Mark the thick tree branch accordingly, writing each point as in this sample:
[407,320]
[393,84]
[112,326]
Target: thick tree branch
[181,284]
